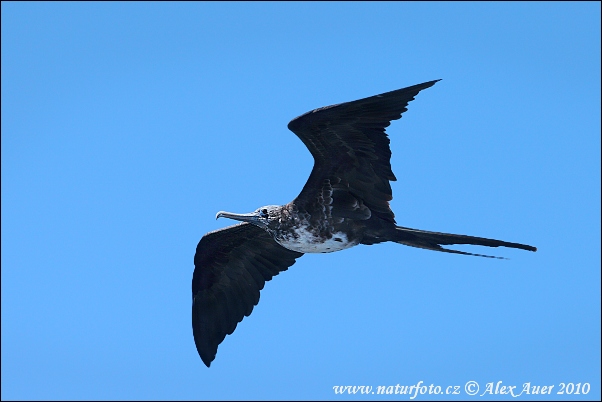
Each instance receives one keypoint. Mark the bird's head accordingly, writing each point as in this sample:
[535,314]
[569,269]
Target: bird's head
[261,217]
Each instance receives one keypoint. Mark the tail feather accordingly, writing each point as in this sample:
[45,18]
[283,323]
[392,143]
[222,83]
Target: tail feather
[434,240]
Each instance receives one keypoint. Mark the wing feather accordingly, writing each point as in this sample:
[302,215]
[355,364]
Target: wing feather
[349,145]
[231,267]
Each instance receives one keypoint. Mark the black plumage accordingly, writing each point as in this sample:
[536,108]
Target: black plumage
[345,202]
[232,266]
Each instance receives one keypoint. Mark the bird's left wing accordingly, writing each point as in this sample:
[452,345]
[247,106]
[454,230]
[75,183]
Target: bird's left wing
[231,267]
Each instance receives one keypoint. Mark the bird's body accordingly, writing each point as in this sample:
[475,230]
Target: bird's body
[345,202]
[299,230]
[305,238]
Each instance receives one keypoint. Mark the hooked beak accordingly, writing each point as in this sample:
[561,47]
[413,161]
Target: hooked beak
[251,217]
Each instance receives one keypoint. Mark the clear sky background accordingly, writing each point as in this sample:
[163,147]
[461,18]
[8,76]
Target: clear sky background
[127,126]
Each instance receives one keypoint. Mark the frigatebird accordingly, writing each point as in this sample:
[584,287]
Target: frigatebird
[345,202]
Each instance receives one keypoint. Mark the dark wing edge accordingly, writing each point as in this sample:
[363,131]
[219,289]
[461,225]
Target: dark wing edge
[350,146]
[231,267]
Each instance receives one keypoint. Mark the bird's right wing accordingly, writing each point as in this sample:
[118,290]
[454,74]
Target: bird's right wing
[351,152]
[231,267]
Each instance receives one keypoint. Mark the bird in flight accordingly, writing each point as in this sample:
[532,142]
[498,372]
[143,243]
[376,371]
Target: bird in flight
[345,202]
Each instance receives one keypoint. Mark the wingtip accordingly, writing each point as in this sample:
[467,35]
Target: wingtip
[431,83]
[205,351]
[207,360]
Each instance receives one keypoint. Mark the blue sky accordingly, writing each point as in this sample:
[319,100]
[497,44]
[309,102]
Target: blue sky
[127,126]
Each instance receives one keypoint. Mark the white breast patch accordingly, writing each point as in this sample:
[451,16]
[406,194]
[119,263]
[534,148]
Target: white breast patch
[307,242]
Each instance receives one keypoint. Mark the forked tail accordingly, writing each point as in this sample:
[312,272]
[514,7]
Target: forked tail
[434,241]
